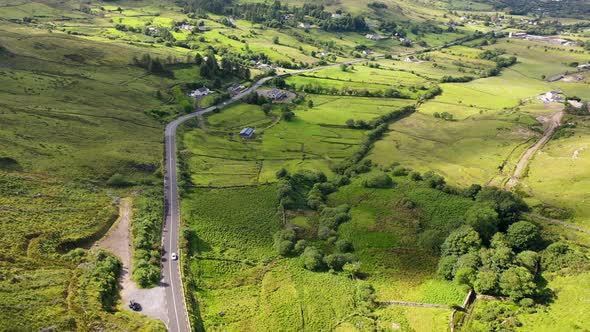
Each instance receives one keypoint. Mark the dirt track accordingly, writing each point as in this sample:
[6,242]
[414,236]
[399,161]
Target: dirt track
[554,123]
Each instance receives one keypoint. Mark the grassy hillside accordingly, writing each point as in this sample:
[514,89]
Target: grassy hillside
[72,116]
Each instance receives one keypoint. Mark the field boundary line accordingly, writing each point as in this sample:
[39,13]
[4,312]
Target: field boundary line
[557,222]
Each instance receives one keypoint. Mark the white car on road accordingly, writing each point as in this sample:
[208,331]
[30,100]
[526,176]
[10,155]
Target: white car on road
[174,256]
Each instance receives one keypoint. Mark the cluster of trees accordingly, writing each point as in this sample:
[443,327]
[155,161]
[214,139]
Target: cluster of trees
[351,165]
[100,277]
[316,88]
[456,79]
[311,188]
[292,188]
[314,258]
[345,22]
[493,251]
[147,229]
[202,6]
[209,67]
[501,62]
[152,65]
[567,8]
[582,110]
[444,115]
[276,14]
[376,122]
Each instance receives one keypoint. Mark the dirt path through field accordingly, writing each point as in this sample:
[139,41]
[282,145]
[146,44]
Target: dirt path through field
[118,241]
[554,123]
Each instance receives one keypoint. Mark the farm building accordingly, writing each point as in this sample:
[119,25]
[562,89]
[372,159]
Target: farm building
[247,132]
[304,25]
[263,66]
[276,94]
[372,36]
[234,88]
[186,27]
[411,58]
[368,52]
[200,92]
[551,96]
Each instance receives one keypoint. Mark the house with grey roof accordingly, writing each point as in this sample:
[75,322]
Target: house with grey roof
[247,132]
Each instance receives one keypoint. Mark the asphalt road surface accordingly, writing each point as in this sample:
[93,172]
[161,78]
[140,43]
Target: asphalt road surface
[171,277]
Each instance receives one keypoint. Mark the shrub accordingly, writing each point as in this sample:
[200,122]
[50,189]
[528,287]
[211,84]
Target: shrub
[530,260]
[517,282]
[486,282]
[560,255]
[400,171]
[463,240]
[484,220]
[523,235]
[446,267]
[344,246]
[300,246]
[118,180]
[465,276]
[415,176]
[378,180]
[282,173]
[313,259]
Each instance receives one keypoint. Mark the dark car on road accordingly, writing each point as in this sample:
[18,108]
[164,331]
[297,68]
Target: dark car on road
[134,306]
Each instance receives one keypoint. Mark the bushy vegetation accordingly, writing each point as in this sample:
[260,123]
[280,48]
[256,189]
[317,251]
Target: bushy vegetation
[146,228]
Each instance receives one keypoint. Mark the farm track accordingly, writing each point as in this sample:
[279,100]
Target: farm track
[178,316]
[558,222]
[554,124]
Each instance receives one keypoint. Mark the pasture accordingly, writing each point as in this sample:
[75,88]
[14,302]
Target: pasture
[558,174]
[317,137]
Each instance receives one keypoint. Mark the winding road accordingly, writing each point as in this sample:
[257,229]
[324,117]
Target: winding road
[178,319]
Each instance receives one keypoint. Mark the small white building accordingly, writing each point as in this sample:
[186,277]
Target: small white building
[304,25]
[186,27]
[551,97]
[200,92]
[263,66]
[372,36]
